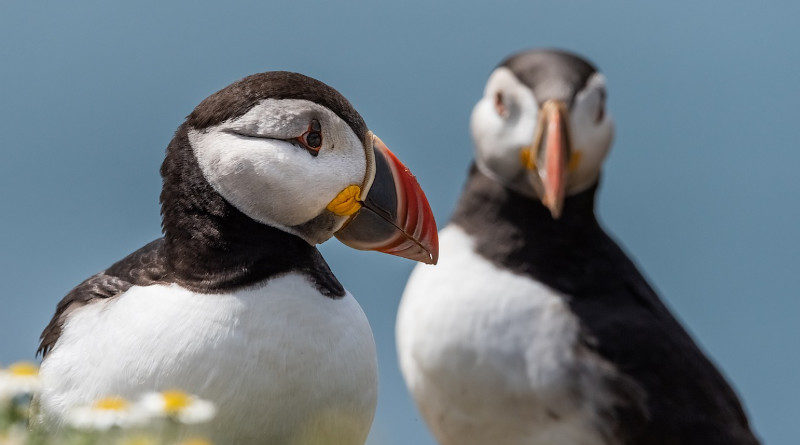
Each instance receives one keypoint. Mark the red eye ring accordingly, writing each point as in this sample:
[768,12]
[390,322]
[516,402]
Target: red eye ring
[311,140]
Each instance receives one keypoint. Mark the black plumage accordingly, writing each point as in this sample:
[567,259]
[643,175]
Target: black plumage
[239,97]
[686,399]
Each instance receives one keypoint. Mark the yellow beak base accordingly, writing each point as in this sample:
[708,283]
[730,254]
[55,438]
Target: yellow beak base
[346,202]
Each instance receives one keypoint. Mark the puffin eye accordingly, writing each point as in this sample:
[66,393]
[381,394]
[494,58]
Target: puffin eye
[311,140]
[499,105]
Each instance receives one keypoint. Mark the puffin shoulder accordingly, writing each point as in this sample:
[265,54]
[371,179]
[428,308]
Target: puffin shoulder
[149,265]
[141,268]
[642,338]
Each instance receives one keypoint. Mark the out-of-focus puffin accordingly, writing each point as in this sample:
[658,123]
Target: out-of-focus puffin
[535,327]
[234,303]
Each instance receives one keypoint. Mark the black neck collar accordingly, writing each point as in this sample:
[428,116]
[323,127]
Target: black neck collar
[486,199]
[518,233]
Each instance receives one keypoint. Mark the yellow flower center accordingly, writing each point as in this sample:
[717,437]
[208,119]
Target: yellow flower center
[23,369]
[113,403]
[175,401]
[346,202]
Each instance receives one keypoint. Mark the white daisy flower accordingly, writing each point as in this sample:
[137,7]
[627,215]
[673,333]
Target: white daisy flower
[19,379]
[178,405]
[107,413]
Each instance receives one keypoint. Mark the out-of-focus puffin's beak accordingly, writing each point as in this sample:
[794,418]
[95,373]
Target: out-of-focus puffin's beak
[394,217]
[548,157]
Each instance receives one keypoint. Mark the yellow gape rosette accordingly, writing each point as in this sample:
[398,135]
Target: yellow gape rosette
[346,202]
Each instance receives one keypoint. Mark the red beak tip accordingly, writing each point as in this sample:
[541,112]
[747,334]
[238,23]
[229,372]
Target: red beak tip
[433,251]
[427,256]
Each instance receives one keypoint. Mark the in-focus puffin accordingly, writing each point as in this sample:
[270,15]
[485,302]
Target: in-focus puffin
[535,327]
[234,303]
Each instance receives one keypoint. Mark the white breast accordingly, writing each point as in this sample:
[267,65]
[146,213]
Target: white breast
[494,357]
[283,363]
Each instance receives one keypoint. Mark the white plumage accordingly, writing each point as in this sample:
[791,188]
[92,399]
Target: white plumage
[277,358]
[492,357]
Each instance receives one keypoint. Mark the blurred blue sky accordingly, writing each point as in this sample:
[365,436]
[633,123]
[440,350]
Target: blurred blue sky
[701,186]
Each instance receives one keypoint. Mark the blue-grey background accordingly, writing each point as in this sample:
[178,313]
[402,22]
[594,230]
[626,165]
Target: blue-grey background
[701,185]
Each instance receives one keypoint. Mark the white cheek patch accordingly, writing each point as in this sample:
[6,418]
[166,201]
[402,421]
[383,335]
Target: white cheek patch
[273,180]
[498,140]
[590,137]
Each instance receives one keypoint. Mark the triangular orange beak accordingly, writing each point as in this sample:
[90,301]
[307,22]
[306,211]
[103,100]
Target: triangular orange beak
[549,156]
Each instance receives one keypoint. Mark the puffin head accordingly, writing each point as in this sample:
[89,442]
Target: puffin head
[290,152]
[541,127]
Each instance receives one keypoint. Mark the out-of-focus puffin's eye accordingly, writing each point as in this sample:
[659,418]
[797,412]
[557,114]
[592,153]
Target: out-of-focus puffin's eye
[601,109]
[499,105]
[311,140]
